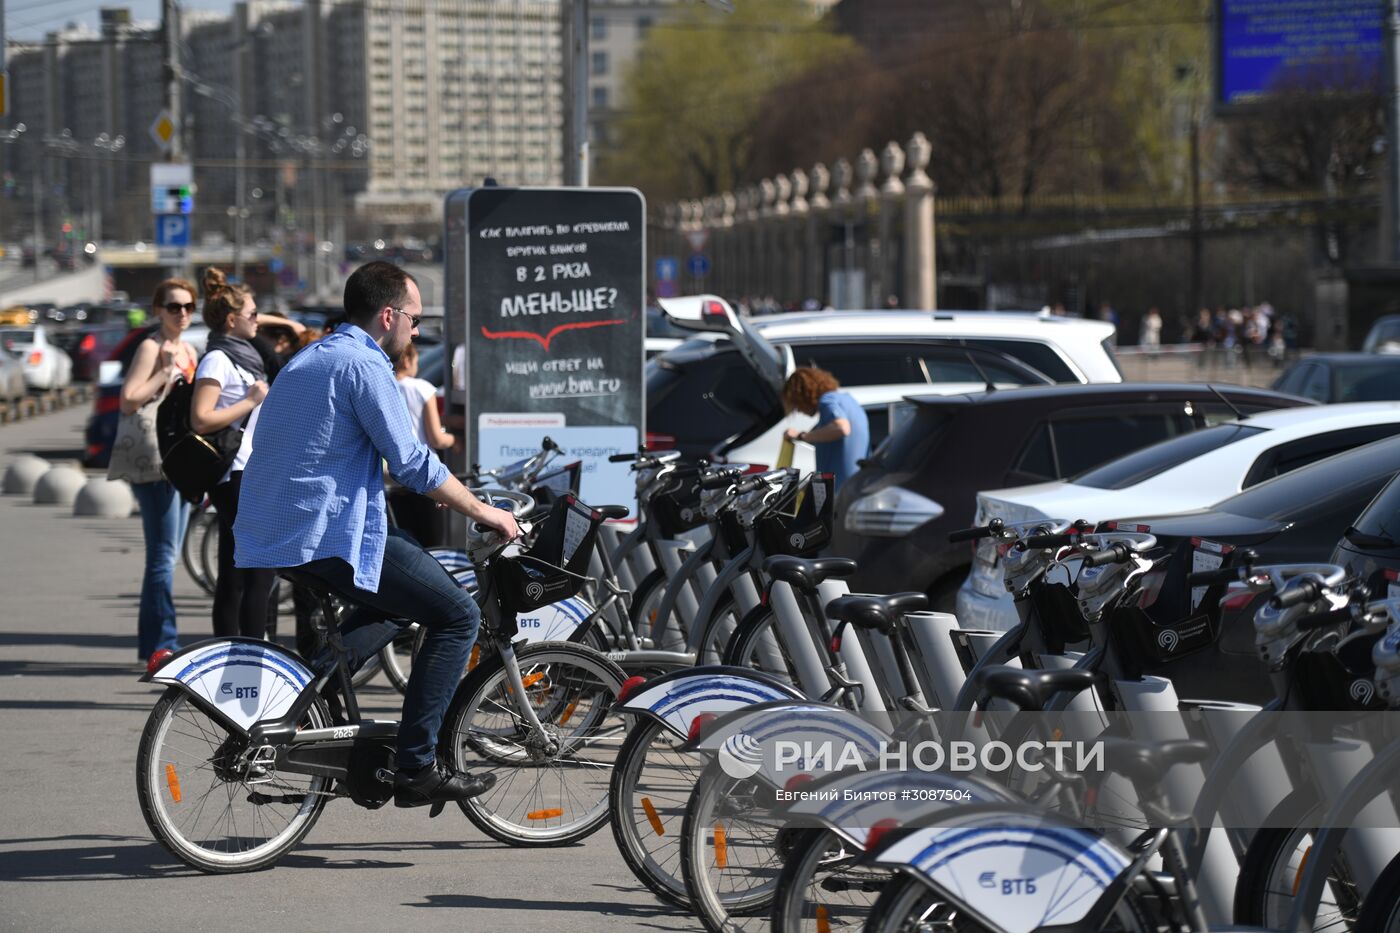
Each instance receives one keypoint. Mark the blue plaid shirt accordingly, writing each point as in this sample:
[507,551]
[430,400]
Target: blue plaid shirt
[313,487]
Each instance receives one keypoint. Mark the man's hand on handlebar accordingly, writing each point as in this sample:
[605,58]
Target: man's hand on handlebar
[502,522]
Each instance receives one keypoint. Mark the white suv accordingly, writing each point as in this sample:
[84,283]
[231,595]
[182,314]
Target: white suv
[717,395]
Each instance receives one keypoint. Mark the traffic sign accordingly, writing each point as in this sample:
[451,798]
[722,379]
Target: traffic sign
[698,265]
[172,230]
[163,130]
[666,268]
[172,188]
[697,240]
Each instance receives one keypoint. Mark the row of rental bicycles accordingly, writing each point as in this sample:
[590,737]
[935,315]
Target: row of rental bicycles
[771,750]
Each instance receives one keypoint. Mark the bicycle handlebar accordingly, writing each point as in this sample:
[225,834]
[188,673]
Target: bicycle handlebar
[621,458]
[973,534]
[1324,619]
[1113,554]
[1033,542]
[1212,577]
[1306,592]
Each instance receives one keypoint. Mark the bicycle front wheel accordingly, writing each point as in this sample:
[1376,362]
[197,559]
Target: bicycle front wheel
[203,525]
[205,805]
[551,788]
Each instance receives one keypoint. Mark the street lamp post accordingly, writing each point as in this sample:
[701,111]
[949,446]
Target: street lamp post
[10,137]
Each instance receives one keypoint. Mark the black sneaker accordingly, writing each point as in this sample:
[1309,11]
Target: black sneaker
[435,786]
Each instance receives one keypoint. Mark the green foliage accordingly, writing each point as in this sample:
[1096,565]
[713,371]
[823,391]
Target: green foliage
[687,119]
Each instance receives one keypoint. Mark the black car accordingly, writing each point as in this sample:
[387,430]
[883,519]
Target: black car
[1295,518]
[1343,377]
[1370,547]
[894,515]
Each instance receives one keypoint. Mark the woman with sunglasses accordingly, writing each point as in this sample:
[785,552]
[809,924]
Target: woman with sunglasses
[229,389]
[161,359]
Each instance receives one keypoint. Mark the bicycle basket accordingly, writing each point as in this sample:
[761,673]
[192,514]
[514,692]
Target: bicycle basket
[549,487]
[678,509]
[1150,647]
[1057,611]
[799,523]
[553,568]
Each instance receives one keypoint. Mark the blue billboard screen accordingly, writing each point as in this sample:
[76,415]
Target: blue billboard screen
[1265,46]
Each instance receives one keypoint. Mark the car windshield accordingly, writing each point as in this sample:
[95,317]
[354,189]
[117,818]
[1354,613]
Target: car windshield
[1144,464]
[1384,336]
[1377,381]
[13,337]
[908,446]
[1310,488]
[1382,517]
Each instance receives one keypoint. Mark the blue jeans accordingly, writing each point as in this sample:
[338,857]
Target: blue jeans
[163,517]
[412,587]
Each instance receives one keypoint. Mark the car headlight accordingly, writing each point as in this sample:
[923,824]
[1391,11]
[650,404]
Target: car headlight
[891,512]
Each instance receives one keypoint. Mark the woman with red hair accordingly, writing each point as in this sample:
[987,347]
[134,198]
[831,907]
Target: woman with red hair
[841,436]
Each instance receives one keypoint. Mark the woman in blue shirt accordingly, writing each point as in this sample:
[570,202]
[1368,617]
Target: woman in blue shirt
[842,433]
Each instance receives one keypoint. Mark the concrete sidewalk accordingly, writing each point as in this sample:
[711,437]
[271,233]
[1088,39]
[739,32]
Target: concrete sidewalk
[75,853]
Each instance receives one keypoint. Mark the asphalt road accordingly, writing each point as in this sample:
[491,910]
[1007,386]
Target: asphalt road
[75,853]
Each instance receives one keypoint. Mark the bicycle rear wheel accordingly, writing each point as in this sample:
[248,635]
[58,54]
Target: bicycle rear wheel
[651,784]
[732,851]
[551,790]
[757,646]
[198,798]
[821,886]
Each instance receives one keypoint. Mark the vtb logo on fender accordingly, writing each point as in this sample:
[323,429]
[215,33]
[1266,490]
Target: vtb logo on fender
[238,693]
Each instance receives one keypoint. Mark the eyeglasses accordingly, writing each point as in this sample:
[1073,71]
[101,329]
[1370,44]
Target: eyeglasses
[175,307]
[413,320]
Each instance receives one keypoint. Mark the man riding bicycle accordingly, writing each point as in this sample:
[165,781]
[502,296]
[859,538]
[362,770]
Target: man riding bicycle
[313,500]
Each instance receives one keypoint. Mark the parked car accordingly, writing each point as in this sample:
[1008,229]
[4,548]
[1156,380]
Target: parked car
[18,316]
[46,366]
[1295,518]
[89,345]
[1384,336]
[101,428]
[721,390]
[1343,377]
[1179,475]
[894,515]
[1370,546]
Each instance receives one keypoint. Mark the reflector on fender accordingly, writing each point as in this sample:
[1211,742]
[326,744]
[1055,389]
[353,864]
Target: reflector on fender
[698,724]
[630,686]
[879,829]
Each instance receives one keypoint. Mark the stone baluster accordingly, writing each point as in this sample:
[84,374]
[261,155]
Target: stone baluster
[818,219]
[920,253]
[867,204]
[891,200]
[844,212]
